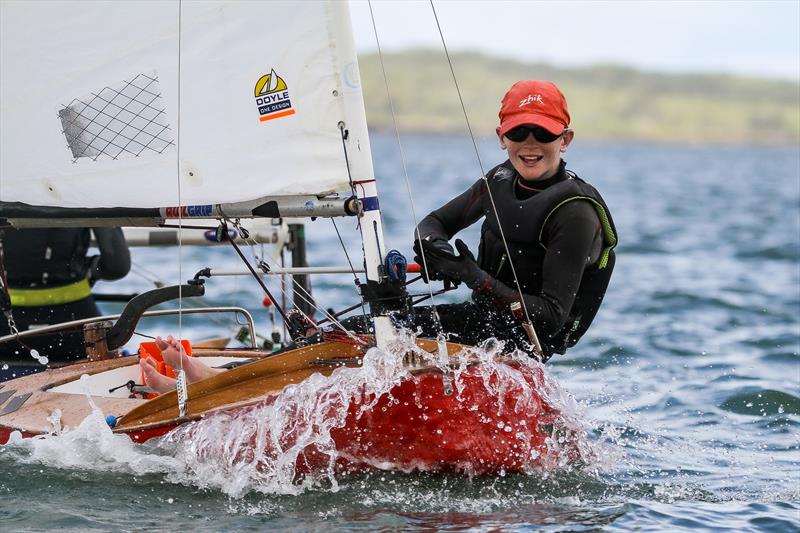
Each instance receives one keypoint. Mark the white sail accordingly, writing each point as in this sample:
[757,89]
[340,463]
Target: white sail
[100,101]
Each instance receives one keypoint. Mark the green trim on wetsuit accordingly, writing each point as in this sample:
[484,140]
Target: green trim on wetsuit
[608,232]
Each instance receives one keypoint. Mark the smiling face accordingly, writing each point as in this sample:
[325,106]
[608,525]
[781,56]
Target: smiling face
[534,160]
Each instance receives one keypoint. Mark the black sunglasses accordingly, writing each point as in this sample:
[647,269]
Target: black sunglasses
[520,134]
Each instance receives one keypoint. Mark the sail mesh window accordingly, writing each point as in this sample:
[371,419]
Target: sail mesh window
[127,120]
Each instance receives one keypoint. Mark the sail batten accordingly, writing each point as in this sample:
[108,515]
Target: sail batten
[90,103]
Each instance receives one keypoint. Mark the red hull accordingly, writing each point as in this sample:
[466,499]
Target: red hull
[5,434]
[494,421]
[487,427]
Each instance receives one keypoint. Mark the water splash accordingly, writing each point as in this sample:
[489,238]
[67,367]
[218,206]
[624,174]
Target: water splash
[41,359]
[500,418]
[89,447]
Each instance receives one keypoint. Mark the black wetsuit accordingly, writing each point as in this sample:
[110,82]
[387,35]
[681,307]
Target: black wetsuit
[561,250]
[45,260]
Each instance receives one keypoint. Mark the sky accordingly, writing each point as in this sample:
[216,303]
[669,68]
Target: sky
[760,38]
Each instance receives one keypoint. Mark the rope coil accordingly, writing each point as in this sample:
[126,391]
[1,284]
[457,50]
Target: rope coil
[396,266]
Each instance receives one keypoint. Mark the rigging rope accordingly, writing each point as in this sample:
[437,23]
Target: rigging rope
[349,262]
[437,320]
[180,384]
[483,173]
[328,316]
[343,132]
[258,279]
[296,287]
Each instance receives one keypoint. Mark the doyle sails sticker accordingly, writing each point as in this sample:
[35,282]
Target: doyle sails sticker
[272,97]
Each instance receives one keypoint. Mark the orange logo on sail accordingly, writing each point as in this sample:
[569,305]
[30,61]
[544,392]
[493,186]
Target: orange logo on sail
[272,97]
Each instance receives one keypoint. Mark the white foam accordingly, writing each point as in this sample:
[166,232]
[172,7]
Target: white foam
[258,448]
[91,446]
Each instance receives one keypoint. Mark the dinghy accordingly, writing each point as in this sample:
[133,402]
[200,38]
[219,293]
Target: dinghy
[128,114]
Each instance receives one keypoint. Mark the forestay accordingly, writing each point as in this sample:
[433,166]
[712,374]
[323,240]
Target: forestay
[100,99]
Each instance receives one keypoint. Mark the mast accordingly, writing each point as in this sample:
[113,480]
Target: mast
[374,255]
[358,159]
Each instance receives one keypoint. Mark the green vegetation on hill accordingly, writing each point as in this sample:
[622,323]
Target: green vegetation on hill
[606,102]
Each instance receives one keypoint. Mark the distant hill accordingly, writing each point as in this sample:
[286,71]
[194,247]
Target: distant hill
[606,102]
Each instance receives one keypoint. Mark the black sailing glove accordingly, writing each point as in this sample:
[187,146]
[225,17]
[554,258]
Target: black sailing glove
[459,268]
[439,245]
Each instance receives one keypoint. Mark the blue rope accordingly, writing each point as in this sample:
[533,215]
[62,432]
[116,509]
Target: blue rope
[396,266]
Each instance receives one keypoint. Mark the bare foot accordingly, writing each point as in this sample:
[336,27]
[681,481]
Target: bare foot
[153,379]
[175,356]
[149,361]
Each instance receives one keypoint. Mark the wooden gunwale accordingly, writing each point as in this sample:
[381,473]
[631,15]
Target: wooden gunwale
[251,383]
[238,387]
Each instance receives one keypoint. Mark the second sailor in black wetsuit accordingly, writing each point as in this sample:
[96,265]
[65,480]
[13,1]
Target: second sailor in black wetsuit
[558,232]
[49,279]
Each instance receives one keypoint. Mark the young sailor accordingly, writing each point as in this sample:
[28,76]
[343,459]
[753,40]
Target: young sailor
[546,248]
[559,234]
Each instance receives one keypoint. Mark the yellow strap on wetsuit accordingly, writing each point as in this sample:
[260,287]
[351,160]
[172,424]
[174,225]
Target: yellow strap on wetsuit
[50,295]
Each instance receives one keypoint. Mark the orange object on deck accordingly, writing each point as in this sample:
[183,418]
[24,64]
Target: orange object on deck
[150,349]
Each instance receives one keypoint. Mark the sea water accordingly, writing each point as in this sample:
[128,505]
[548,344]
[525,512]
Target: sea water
[687,385]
